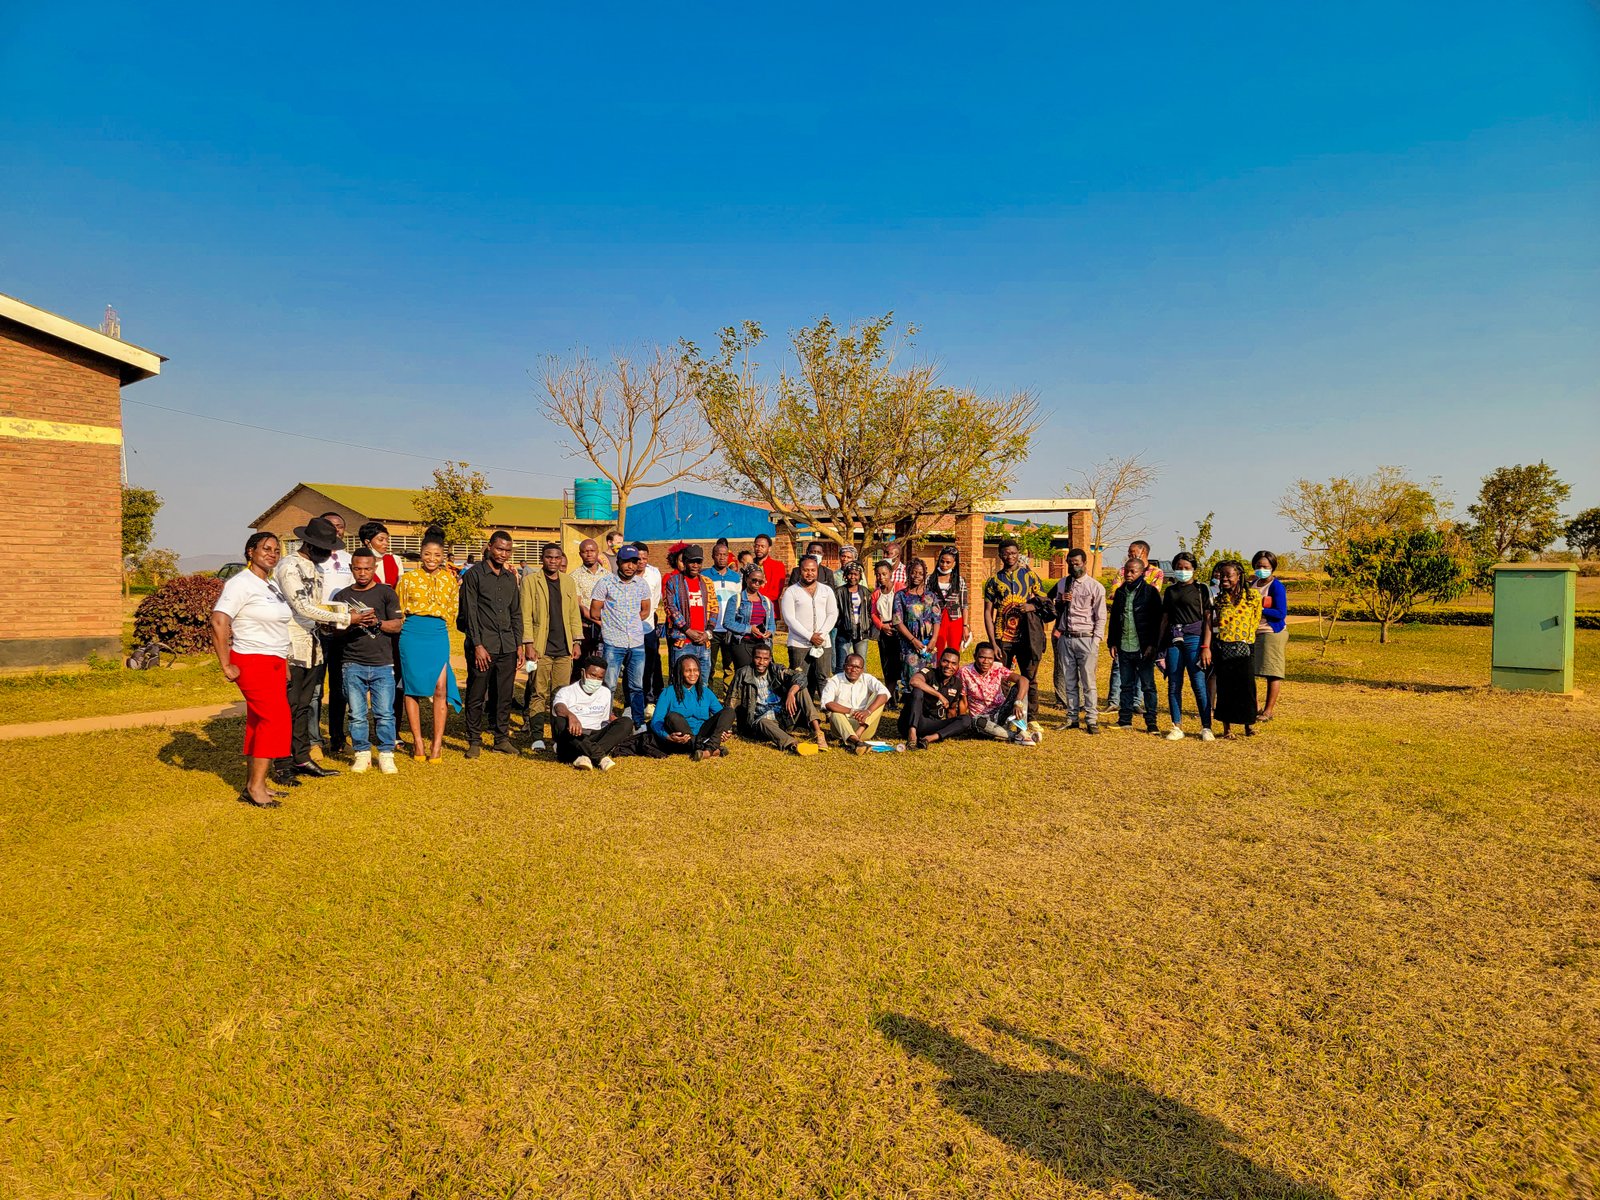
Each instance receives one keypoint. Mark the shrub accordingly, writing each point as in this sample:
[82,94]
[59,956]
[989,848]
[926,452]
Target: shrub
[179,613]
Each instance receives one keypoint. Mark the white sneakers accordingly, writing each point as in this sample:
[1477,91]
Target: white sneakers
[363,762]
[582,763]
[537,746]
[386,762]
[607,763]
[1175,734]
[1207,736]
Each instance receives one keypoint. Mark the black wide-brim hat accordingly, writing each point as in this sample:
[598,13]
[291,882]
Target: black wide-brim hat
[319,532]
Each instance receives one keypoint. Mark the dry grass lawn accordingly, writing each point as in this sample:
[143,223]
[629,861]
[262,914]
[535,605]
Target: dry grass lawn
[1356,956]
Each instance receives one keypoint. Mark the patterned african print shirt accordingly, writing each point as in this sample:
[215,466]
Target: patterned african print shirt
[1008,591]
[1237,622]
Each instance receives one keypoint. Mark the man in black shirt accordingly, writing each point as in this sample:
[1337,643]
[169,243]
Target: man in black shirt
[933,713]
[368,655]
[491,617]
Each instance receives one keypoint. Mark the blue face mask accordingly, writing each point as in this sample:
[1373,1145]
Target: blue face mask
[1263,572]
[1183,576]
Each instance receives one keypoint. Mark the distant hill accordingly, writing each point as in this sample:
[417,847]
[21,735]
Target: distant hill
[204,562]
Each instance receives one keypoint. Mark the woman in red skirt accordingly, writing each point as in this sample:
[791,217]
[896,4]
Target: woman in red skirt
[250,630]
[951,588]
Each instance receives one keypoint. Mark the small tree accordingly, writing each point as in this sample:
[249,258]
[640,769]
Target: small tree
[1583,533]
[139,508]
[458,502]
[1205,556]
[1389,574]
[1118,487]
[639,426]
[155,567]
[1519,509]
[849,441]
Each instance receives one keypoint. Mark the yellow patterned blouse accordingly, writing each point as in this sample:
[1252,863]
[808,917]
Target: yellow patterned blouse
[429,594]
[1235,622]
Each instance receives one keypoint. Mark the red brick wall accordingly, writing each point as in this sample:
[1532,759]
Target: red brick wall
[300,507]
[60,501]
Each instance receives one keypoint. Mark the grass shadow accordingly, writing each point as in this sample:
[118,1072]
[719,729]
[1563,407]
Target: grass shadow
[1301,675]
[1094,1125]
[215,750]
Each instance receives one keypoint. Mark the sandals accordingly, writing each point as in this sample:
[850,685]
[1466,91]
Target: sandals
[247,798]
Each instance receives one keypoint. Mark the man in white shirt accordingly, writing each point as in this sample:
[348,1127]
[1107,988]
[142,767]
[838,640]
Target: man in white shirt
[336,576]
[652,636]
[586,734]
[854,703]
[810,611]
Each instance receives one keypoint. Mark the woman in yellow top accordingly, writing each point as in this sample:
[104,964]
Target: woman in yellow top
[1236,614]
[428,600]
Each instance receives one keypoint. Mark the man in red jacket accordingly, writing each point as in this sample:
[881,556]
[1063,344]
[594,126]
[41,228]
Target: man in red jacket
[773,572]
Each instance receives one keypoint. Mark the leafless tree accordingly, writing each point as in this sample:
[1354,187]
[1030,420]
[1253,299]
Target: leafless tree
[1118,487]
[639,424]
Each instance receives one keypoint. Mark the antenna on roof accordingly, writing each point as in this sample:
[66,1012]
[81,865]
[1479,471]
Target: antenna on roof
[111,324]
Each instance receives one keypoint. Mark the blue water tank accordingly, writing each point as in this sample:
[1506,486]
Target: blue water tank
[591,500]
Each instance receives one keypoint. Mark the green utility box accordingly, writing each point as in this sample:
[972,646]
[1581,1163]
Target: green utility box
[1533,607]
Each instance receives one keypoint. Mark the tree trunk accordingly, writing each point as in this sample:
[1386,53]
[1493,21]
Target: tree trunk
[1383,630]
[622,508]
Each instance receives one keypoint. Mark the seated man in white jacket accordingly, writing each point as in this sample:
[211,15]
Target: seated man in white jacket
[810,611]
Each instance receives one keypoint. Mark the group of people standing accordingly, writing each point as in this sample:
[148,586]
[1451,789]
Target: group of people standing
[359,630]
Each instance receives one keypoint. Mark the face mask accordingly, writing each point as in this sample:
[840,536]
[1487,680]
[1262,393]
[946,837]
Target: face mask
[1263,572]
[1075,570]
[1183,576]
[589,686]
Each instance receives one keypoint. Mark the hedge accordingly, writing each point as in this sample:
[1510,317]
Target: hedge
[178,613]
[1586,618]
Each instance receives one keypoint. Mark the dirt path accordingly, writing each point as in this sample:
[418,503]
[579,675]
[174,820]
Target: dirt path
[135,720]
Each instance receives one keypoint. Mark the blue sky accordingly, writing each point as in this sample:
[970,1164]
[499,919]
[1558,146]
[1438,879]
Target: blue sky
[1255,241]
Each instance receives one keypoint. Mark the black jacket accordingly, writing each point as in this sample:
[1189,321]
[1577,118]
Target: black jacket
[862,629]
[1147,613]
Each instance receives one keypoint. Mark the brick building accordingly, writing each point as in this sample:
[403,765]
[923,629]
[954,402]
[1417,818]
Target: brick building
[530,520]
[61,485]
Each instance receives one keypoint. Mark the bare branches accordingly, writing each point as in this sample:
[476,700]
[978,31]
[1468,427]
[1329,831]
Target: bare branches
[1118,487]
[638,424]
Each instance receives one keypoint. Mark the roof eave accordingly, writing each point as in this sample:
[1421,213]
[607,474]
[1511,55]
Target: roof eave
[133,362]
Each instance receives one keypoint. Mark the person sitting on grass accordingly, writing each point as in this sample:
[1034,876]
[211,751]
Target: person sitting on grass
[935,711]
[854,703]
[586,735]
[689,717]
[994,696]
[773,704]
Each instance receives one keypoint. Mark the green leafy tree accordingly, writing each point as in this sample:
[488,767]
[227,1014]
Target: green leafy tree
[1519,509]
[1038,542]
[458,502]
[848,440]
[1583,533]
[1388,574]
[139,508]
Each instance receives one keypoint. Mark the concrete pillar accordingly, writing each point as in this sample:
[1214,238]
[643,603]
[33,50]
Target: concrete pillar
[1079,525]
[969,544]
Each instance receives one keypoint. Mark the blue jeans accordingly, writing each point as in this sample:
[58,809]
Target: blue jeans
[360,681]
[701,654]
[1114,696]
[1184,657]
[631,657]
[1137,676]
[843,650]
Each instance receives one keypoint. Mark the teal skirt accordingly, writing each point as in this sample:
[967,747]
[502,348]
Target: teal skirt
[424,653]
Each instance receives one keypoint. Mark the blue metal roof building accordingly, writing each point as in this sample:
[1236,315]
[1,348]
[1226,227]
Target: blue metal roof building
[681,516]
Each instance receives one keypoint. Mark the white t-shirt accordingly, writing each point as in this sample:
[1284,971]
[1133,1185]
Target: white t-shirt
[335,572]
[839,690]
[593,711]
[652,576]
[260,615]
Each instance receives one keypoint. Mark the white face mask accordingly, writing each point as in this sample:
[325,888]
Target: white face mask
[1263,572]
[590,685]
[1182,576]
